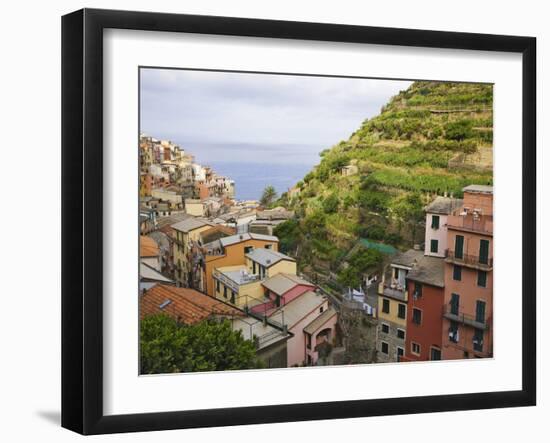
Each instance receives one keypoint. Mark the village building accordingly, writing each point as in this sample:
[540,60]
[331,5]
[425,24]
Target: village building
[266,221]
[281,289]
[425,283]
[229,251]
[437,213]
[392,306]
[266,262]
[468,302]
[195,207]
[169,195]
[311,322]
[237,286]
[185,233]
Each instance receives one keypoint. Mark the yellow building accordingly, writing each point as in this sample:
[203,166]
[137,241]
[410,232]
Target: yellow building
[185,234]
[234,284]
[392,307]
[195,207]
[266,263]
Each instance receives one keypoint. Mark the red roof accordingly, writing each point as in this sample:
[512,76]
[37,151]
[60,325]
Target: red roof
[148,247]
[183,304]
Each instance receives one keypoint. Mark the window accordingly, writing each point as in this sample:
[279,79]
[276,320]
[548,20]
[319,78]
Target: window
[480,311]
[385,348]
[225,292]
[484,251]
[417,316]
[457,272]
[268,246]
[435,354]
[455,299]
[386,306]
[308,340]
[435,221]
[434,246]
[482,279]
[385,328]
[396,273]
[417,289]
[400,353]
[401,310]
[401,334]
[232,297]
[415,348]
[478,340]
[459,246]
[217,286]
[253,267]
[248,249]
[321,310]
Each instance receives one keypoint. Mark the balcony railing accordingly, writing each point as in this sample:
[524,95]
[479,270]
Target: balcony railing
[474,261]
[451,313]
[392,291]
[482,224]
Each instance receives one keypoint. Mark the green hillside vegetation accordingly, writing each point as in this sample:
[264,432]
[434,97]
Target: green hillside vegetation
[403,159]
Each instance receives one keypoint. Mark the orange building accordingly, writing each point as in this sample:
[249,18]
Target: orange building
[468,300]
[231,251]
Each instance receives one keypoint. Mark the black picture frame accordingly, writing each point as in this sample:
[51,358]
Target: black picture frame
[82,216]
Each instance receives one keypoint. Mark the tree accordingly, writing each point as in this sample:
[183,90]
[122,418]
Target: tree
[167,346]
[288,233]
[330,204]
[269,195]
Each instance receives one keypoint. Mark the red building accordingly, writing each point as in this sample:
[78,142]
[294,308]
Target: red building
[425,285]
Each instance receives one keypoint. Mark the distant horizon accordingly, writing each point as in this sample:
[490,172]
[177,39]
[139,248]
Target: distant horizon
[226,116]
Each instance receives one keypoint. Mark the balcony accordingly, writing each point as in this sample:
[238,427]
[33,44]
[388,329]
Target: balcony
[472,261]
[450,313]
[482,224]
[392,290]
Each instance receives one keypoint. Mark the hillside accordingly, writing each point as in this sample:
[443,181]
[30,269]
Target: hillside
[434,138]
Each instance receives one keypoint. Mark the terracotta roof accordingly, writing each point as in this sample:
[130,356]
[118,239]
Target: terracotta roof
[148,247]
[185,305]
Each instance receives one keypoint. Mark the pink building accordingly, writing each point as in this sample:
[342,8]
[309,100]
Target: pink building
[468,300]
[436,224]
[312,322]
[281,289]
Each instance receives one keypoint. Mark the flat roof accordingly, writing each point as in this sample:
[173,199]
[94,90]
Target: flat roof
[238,274]
[481,189]
[267,257]
[191,223]
[238,238]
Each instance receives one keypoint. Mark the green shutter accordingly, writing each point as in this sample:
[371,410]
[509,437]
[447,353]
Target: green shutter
[484,251]
[482,279]
[434,246]
[454,303]
[459,246]
[480,311]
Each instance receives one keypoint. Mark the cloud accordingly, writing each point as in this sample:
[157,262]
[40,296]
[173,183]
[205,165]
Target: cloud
[211,113]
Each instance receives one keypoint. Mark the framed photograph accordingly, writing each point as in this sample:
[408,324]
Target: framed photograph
[269,221]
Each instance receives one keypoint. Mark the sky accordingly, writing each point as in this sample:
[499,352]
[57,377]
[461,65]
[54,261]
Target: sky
[236,117]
